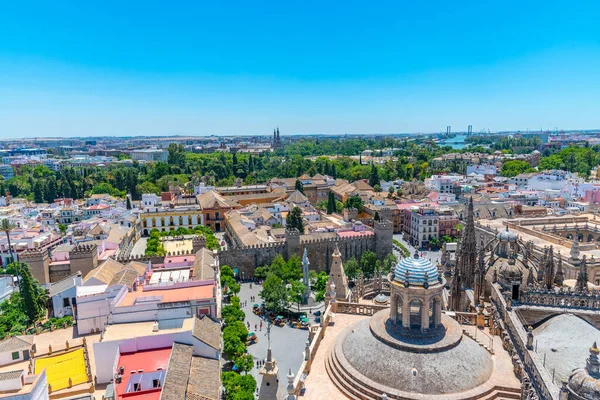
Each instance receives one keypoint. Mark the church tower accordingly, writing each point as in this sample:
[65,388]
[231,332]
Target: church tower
[337,275]
[269,372]
[276,139]
[467,251]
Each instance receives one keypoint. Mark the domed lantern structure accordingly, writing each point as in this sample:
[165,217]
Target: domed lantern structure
[416,295]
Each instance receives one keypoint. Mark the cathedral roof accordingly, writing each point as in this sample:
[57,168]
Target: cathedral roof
[416,267]
[507,236]
[458,369]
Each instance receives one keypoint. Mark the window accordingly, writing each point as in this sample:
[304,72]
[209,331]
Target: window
[15,355]
[208,217]
[66,302]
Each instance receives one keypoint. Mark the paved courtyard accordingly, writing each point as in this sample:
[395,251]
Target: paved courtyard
[139,249]
[287,343]
[433,256]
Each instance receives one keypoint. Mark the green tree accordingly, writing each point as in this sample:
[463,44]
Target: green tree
[295,219]
[244,363]
[176,155]
[377,188]
[63,228]
[351,268]
[391,192]
[299,186]
[147,187]
[354,202]
[274,293]
[373,176]
[51,190]
[38,192]
[377,217]
[238,387]
[389,263]
[128,204]
[331,206]
[296,292]
[368,262]
[7,226]
[515,167]
[30,295]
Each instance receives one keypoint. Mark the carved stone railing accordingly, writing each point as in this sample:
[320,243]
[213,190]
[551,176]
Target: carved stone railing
[358,309]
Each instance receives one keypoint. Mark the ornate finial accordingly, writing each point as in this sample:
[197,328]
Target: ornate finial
[594,349]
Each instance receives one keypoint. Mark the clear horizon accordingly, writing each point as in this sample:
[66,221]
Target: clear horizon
[142,69]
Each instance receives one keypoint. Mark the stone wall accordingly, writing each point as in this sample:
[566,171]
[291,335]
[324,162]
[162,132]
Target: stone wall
[247,258]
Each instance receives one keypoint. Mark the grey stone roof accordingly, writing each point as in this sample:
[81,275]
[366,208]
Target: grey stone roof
[124,277]
[205,379]
[8,375]
[203,264]
[463,367]
[17,343]
[62,285]
[564,342]
[178,372]
[208,331]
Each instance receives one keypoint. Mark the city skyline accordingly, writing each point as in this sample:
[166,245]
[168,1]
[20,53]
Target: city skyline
[200,70]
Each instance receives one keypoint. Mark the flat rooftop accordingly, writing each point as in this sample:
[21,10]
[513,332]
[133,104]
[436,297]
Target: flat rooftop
[137,329]
[138,367]
[167,295]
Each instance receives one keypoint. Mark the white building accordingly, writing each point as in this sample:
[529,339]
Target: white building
[16,385]
[64,295]
[155,155]
[482,169]
[15,349]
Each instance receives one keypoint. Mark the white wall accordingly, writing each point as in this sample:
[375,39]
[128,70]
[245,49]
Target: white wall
[6,358]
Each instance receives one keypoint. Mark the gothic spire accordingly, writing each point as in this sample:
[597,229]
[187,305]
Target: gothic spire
[480,276]
[549,269]
[530,280]
[559,277]
[582,277]
[467,252]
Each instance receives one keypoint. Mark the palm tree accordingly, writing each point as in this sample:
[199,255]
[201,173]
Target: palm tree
[6,226]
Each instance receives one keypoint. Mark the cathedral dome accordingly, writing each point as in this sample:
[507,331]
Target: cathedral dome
[586,386]
[507,236]
[510,272]
[416,267]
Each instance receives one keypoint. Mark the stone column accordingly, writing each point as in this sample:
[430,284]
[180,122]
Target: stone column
[425,315]
[438,312]
[394,308]
[405,313]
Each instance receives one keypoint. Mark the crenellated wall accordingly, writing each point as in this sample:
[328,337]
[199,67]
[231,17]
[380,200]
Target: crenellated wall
[247,258]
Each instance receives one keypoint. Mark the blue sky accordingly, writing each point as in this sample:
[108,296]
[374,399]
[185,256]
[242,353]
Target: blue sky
[157,68]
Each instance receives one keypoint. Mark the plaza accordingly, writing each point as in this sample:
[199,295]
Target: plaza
[287,343]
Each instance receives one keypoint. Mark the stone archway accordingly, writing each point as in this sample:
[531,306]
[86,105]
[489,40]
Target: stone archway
[399,305]
[435,307]
[569,236]
[415,307]
[590,238]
